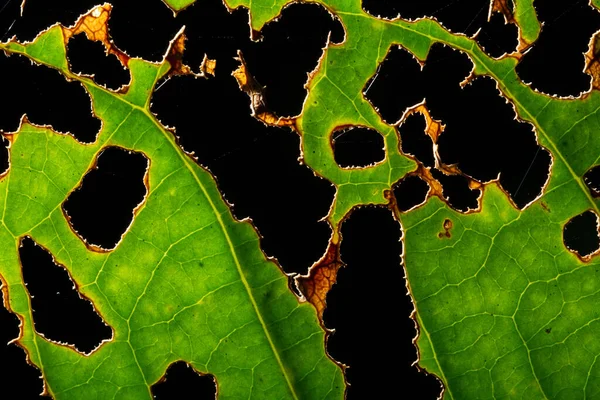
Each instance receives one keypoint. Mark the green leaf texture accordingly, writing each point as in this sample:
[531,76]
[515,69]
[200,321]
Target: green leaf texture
[504,309]
[187,281]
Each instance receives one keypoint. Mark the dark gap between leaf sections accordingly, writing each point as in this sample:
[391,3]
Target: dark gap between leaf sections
[101,209]
[410,192]
[592,180]
[90,58]
[555,63]
[369,308]
[456,191]
[357,146]
[497,37]
[47,98]
[415,141]
[182,382]
[481,135]
[59,313]
[580,234]
[288,50]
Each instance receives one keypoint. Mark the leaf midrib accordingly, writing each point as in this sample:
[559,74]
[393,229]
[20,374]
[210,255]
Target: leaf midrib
[187,162]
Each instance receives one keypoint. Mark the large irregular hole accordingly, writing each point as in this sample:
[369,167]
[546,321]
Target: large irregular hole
[581,234]
[457,192]
[90,58]
[4,155]
[415,141]
[59,311]
[396,85]
[280,61]
[378,320]
[182,382]
[101,209]
[592,180]
[498,37]
[465,16]
[555,62]
[47,98]
[357,146]
[410,192]
[143,34]
[289,49]
[481,133]
[17,376]
[256,166]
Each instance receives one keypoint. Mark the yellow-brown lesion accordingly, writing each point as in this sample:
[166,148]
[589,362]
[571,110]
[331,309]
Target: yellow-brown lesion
[321,277]
[255,91]
[94,25]
[434,128]
[592,60]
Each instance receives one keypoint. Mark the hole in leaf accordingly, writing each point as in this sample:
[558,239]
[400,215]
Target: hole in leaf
[555,62]
[456,191]
[17,375]
[33,91]
[213,30]
[480,126]
[101,209]
[396,85]
[280,61]
[480,140]
[4,155]
[523,178]
[145,35]
[288,51]
[371,233]
[357,146]
[464,16]
[90,58]
[415,141]
[257,167]
[497,37]
[181,381]
[581,234]
[592,180]
[410,192]
[59,311]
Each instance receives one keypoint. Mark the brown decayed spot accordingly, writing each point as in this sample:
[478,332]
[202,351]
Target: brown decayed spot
[95,26]
[254,90]
[592,61]
[504,8]
[434,128]
[447,226]
[321,277]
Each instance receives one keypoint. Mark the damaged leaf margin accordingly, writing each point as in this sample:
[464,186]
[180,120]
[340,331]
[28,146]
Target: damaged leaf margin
[187,282]
[498,298]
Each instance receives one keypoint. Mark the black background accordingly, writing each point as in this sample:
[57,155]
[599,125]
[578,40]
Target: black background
[257,168]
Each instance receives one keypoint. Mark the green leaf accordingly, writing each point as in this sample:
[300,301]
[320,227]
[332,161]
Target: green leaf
[187,281]
[504,308]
